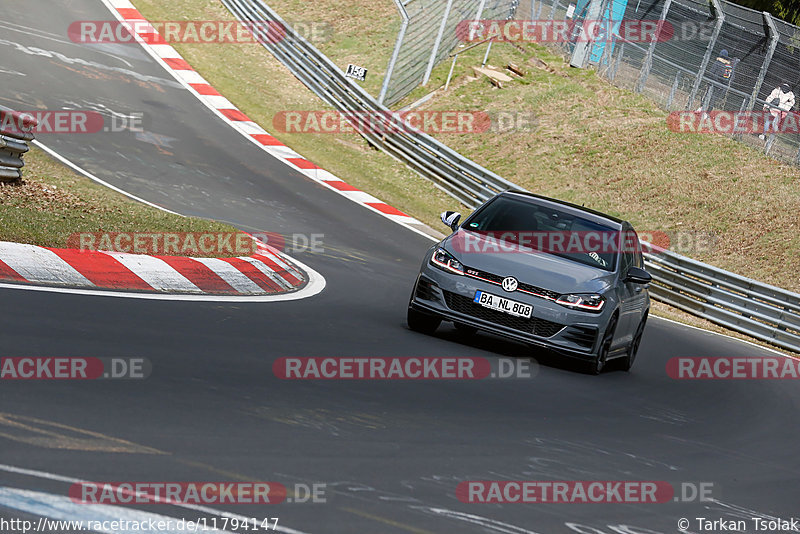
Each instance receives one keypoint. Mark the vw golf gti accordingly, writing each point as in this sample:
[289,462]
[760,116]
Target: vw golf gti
[540,271]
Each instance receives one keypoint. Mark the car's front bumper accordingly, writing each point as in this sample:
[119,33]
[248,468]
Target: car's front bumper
[552,326]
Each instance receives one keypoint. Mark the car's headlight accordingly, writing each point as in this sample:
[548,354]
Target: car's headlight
[582,301]
[445,261]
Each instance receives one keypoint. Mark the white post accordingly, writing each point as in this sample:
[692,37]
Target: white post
[396,52]
[435,50]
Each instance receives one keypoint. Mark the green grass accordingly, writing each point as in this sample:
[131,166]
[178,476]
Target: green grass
[594,144]
[53,202]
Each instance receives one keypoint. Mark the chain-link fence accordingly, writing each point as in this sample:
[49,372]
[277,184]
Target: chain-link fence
[709,56]
[428,35]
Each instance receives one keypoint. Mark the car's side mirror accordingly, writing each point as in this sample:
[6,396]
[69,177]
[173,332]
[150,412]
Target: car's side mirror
[637,275]
[451,218]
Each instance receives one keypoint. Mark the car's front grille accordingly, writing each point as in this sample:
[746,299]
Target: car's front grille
[581,335]
[539,291]
[497,279]
[538,327]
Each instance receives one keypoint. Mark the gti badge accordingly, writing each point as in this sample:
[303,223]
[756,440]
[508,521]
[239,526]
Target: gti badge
[510,283]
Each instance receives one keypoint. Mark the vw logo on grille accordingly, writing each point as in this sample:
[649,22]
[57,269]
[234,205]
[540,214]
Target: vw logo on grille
[510,283]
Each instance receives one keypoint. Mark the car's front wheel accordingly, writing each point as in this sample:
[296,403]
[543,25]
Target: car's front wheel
[422,322]
[597,365]
[634,348]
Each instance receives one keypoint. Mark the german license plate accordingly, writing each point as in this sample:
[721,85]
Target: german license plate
[502,304]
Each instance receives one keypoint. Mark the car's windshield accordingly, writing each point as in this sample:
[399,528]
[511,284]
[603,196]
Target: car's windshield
[533,228]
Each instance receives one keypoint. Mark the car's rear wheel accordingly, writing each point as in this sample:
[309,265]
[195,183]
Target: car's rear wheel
[599,362]
[422,322]
[634,348]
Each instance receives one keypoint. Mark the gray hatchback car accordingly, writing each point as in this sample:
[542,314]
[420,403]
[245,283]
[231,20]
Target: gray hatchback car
[540,271]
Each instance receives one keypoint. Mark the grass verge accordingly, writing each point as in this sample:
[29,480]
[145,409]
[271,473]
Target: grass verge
[54,202]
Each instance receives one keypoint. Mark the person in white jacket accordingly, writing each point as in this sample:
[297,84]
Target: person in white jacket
[779,102]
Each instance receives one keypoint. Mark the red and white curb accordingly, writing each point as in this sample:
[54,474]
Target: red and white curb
[174,63]
[264,273]
[114,274]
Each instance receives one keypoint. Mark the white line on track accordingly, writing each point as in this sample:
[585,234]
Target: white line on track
[62,508]
[92,177]
[71,480]
[762,347]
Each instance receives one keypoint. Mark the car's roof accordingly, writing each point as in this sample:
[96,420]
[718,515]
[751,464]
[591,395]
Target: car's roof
[573,209]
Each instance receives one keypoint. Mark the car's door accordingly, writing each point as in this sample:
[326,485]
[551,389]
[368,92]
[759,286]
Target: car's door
[642,298]
[632,296]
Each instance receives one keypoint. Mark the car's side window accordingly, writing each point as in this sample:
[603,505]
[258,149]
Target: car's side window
[626,262]
[637,260]
[630,250]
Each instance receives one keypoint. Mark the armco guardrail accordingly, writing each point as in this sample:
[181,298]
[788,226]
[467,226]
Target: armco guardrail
[15,132]
[759,310]
[764,312]
[461,178]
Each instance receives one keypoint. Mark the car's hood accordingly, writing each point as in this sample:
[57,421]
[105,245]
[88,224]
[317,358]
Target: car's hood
[547,271]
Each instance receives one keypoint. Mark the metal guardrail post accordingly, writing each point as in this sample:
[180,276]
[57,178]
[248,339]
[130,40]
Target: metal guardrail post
[398,44]
[435,50]
[481,7]
[552,11]
[486,55]
[455,58]
[720,17]
[709,95]
[450,75]
[613,72]
[673,90]
[774,37]
[648,60]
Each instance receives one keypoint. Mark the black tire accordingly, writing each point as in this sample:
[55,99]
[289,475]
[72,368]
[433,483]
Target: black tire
[422,322]
[599,362]
[634,347]
[465,329]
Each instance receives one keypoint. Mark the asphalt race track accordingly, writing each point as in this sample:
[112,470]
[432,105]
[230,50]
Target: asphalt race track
[391,453]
